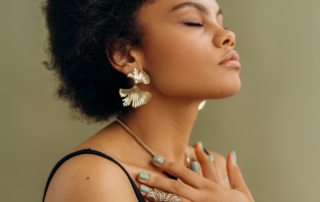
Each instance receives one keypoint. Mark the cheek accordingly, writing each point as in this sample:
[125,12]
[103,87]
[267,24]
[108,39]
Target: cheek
[182,66]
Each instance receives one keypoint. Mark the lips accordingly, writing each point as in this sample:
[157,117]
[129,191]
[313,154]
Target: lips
[231,60]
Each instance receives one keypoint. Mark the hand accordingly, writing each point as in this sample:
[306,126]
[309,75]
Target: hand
[197,188]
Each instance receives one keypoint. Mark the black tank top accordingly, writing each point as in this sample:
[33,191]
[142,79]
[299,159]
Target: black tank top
[94,152]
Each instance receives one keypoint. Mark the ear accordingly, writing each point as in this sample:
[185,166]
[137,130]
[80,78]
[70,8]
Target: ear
[123,57]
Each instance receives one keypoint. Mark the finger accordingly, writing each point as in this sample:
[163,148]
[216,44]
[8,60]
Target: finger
[196,167]
[200,170]
[235,177]
[186,175]
[207,165]
[144,189]
[168,185]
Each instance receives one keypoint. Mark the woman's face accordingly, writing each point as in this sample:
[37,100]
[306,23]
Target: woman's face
[184,45]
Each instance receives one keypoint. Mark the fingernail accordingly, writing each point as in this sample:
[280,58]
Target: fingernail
[194,166]
[144,189]
[158,160]
[211,158]
[201,144]
[143,176]
[234,156]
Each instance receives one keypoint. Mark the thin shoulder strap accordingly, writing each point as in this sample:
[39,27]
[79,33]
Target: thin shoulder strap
[94,152]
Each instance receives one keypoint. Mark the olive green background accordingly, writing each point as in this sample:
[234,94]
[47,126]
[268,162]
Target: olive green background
[272,123]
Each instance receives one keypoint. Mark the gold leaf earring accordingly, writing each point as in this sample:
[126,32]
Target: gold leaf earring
[135,95]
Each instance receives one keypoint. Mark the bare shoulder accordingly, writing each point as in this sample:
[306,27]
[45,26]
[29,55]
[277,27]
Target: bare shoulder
[90,178]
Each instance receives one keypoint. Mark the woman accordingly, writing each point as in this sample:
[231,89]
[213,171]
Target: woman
[151,63]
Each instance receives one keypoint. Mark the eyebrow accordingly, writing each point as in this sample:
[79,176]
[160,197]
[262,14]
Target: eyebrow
[198,6]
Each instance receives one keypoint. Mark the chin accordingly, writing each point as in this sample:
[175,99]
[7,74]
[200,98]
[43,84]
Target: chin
[227,90]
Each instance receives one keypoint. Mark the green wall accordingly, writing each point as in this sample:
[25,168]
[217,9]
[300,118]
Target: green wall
[272,123]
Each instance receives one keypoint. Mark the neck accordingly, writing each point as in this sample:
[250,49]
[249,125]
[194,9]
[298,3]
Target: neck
[164,125]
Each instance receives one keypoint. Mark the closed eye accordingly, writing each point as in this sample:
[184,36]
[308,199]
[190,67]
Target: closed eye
[194,24]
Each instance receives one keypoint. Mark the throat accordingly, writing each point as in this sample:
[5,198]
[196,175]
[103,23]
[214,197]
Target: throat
[163,126]
[175,155]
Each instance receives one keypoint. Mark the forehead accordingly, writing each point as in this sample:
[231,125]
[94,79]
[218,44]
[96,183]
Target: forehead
[163,7]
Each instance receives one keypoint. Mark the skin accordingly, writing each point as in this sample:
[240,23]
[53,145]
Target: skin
[201,185]
[183,64]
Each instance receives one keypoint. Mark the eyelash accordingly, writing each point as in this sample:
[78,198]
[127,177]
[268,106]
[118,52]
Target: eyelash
[192,24]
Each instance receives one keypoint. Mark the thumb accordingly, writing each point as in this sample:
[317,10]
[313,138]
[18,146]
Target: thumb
[235,177]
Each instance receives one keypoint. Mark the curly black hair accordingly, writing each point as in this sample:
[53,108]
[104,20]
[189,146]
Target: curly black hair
[80,32]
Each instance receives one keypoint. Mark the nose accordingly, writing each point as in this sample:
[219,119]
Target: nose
[224,38]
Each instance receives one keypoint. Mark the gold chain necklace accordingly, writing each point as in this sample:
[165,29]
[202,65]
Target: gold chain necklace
[187,160]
